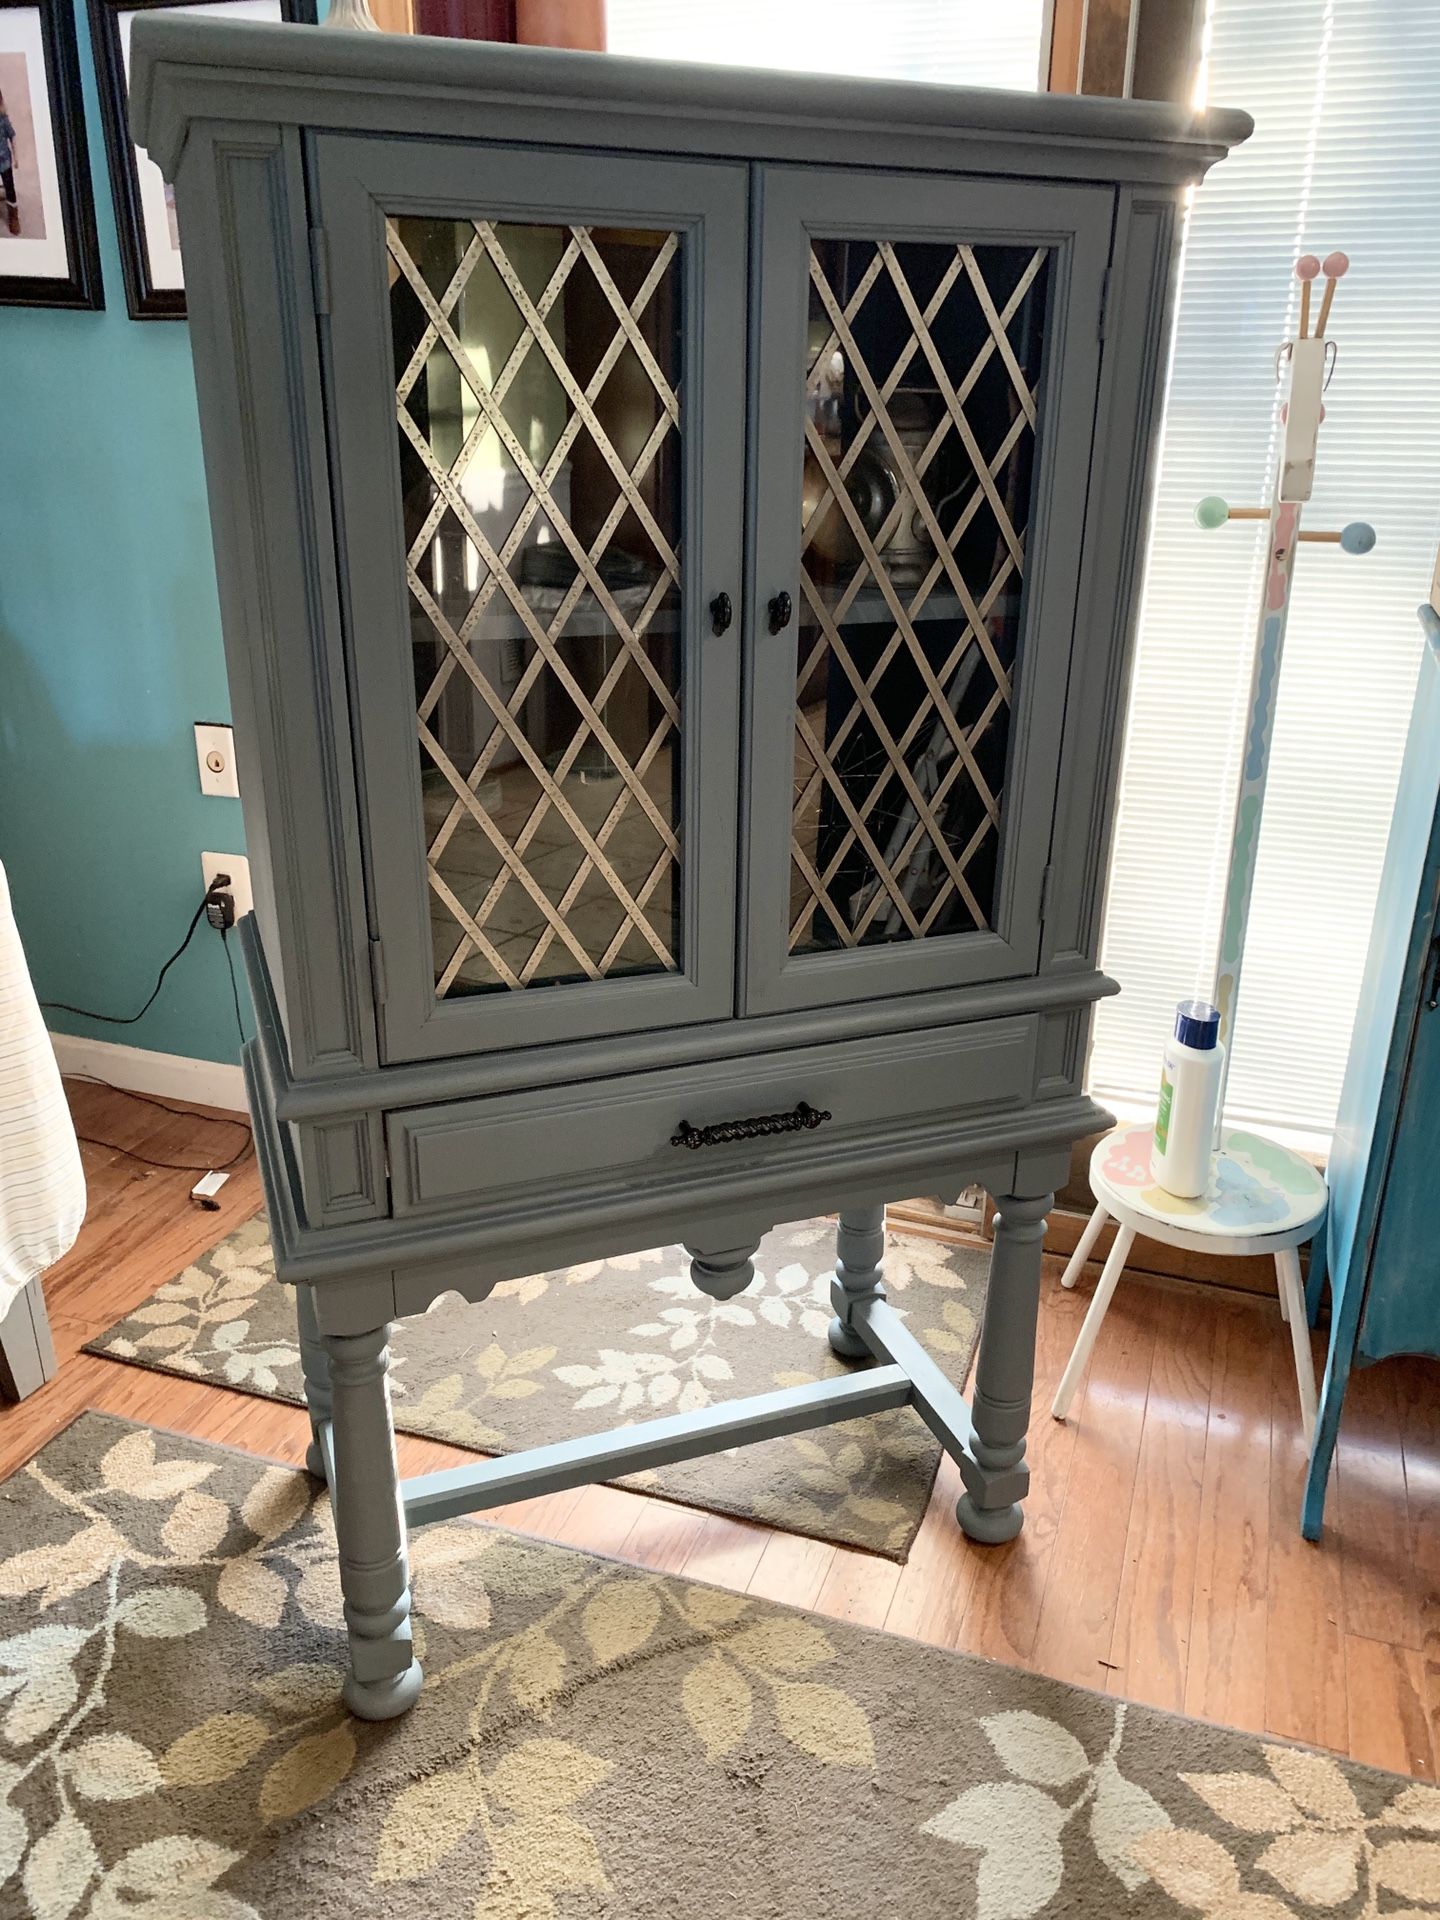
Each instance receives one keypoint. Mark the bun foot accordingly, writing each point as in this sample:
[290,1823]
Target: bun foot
[846,1342]
[383,1699]
[991,1526]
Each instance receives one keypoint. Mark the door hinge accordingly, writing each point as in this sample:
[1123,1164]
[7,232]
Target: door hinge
[1046,880]
[377,973]
[1107,282]
[320,268]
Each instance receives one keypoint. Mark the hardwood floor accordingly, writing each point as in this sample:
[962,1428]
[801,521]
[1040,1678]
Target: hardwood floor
[1161,1557]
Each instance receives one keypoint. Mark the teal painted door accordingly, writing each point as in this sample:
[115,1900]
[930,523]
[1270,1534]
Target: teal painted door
[536,374]
[1380,1236]
[928,354]
[1402,1302]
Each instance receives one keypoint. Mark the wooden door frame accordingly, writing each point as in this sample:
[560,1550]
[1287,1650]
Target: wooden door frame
[1135,49]
[529,23]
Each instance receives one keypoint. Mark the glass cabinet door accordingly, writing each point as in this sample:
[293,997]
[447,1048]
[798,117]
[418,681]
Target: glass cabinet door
[522,348]
[932,352]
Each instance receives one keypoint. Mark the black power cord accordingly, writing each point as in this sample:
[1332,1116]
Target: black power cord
[234,989]
[217,908]
[219,904]
[219,885]
[172,1166]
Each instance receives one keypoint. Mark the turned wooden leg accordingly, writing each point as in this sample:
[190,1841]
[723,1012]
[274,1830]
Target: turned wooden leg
[859,1250]
[724,1273]
[315,1363]
[996,1478]
[384,1674]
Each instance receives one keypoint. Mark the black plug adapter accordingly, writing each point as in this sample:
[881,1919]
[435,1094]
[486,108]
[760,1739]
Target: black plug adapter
[220,903]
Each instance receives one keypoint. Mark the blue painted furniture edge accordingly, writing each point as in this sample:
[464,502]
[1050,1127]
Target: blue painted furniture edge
[1380,1050]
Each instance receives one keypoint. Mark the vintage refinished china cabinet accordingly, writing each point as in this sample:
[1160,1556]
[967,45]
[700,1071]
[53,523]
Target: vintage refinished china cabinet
[678,534]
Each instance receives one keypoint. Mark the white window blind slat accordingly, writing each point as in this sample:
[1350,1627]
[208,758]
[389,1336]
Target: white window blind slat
[1346,154]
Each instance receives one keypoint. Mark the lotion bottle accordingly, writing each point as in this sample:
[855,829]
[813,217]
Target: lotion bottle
[1189,1096]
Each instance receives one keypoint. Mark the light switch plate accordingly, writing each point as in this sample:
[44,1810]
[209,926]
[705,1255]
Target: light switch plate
[215,755]
[238,868]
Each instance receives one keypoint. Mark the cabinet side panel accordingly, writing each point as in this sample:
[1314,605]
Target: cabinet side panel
[241,199]
[1132,391]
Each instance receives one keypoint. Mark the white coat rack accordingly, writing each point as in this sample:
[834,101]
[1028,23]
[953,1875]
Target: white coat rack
[1308,362]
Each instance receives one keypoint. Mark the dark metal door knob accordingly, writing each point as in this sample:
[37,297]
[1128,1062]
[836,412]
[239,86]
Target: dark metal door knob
[781,608]
[721,612]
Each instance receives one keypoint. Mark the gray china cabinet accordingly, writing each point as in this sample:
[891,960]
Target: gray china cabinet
[678,534]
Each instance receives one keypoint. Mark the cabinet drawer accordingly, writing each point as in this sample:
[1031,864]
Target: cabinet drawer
[624,1128]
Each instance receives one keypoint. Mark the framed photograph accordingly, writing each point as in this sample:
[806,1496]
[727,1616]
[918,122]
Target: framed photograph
[144,203]
[48,252]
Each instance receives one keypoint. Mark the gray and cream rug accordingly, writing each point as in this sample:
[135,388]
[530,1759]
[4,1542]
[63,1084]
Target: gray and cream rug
[610,1341]
[593,1742]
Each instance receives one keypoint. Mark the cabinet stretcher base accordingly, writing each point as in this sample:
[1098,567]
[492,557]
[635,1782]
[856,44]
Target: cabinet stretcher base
[907,1377]
[353,1444]
[635,1449]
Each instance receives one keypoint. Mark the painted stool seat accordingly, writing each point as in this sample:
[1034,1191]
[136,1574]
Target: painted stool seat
[1262,1198]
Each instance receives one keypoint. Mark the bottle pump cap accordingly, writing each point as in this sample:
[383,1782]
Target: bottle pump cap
[1197,1024]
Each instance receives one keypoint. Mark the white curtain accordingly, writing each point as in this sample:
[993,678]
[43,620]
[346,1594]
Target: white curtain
[42,1181]
[976,43]
[1346,154]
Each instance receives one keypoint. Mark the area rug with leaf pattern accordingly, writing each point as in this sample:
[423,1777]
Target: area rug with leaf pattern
[608,1342]
[592,1742]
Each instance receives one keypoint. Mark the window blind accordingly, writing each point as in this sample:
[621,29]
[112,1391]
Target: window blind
[1346,154]
[976,43]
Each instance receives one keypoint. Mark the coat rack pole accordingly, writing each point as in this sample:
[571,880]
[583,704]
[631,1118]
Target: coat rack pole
[1310,359]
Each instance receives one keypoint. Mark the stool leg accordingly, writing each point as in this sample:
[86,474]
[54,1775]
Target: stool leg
[1084,1247]
[1094,1320]
[1287,1275]
[1319,1266]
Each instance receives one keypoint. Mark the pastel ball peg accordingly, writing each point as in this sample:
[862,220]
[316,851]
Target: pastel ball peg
[1335,266]
[1358,537]
[1307,267]
[1212,512]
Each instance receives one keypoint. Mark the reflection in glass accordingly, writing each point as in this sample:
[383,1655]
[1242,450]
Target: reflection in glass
[919,412]
[536,370]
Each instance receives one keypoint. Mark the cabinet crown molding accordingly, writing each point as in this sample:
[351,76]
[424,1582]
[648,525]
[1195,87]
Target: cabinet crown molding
[187,68]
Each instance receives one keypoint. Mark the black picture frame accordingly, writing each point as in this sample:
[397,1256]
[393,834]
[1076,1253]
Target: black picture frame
[143,299]
[80,285]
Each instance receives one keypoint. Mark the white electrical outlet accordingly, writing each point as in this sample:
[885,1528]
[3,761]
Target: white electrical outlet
[238,868]
[215,755]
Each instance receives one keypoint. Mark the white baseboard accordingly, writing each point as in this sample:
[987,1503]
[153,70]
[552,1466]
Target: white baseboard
[171,1076]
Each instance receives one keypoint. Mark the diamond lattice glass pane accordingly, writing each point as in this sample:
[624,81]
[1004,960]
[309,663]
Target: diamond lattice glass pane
[919,412]
[537,372]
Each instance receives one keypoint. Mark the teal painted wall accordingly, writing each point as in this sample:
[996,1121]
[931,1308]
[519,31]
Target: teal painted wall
[109,651]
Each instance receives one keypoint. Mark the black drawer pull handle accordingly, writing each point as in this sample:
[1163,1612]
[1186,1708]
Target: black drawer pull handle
[780,610]
[801,1119]
[721,613]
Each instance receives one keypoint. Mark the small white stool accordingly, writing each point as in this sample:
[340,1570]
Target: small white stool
[1262,1199]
